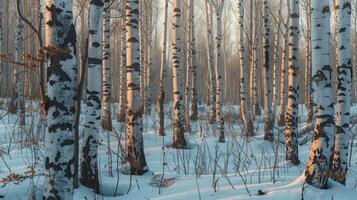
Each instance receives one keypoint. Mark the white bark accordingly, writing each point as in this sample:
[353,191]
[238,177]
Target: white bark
[89,162]
[210,56]
[319,163]
[60,101]
[163,66]
[192,61]
[1,45]
[291,120]
[244,102]
[343,98]
[218,6]
[122,93]
[266,72]
[178,140]
[136,156]
[106,84]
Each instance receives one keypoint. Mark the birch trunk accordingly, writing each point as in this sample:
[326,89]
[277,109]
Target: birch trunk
[321,151]
[178,140]
[283,78]
[18,96]
[210,56]
[343,99]
[89,162]
[256,70]
[308,96]
[192,63]
[218,6]
[121,116]
[106,84]
[291,120]
[266,72]
[61,85]
[246,114]
[161,102]
[136,156]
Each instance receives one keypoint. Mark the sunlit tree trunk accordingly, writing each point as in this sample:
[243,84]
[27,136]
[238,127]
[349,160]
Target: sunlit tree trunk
[343,99]
[136,156]
[210,56]
[308,96]
[218,6]
[291,120]
[256,70]
[178,140]
[283,80]
[266,72]
[321,151]
[106,84]
[192,63]
[89,160]
[61,85]
[121,115]
[161,102]
[245,110]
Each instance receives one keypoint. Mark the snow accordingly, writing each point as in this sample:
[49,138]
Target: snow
[243,167]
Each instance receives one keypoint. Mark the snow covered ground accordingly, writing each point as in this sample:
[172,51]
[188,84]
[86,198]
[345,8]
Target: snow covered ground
[241,168]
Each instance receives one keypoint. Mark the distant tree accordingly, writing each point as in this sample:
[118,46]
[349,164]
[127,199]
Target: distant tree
[266,72]
[218,5]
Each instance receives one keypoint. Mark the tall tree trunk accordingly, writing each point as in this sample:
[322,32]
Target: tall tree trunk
[266,72]
[61,84]
[321,151]
[192,63]
[163,66]
[291,120]
[89,161]
[218,6]
[245,110]
[106,84]
[283,78]
[308,96]
[256,70]
[178,140]
[18,100]
[121,116]
[210,56]
[136,156]
[344,87]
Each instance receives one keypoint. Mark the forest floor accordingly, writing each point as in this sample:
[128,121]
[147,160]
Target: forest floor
[241,168]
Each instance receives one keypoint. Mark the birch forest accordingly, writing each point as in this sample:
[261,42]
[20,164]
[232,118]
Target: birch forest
[178,99]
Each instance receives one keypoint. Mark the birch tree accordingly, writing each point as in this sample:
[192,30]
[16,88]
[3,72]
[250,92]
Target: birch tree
[163,66]
[89,162]
[136,157]
[192,61]
[343,98]
[283,78]
[291,120]
[60,109]
[245,110]
[121,116]
[106,84]
[266,72]
[321,151]
[218,6]
[178,140]
[210,56]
